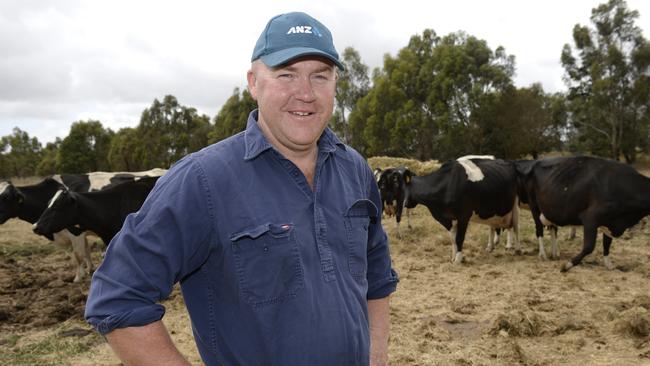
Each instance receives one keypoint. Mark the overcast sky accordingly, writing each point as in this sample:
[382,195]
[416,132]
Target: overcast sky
[69,60]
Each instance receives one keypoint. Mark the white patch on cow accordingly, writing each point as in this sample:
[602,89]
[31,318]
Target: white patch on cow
[99,180]
[4,186]
[486,157]
[542,252]
[608,262]
[474,173]
[545,221]
[458,258]
[494,221]
[56,195]
[555,252]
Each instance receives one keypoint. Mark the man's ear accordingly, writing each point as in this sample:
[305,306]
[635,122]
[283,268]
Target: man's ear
[252,80]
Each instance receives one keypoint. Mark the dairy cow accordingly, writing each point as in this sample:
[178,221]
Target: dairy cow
[102,212]
[597,194]
[472,188]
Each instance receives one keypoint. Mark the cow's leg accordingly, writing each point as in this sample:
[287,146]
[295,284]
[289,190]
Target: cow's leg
[82,253]
[572,233]
[408,218]
[607,242]
[539,232]
[452,234]
[555,252]
[589,242]
[493,238]
[514,230]
[461,229]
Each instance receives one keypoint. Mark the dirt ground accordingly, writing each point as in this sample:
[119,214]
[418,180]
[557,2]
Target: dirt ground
[498,308]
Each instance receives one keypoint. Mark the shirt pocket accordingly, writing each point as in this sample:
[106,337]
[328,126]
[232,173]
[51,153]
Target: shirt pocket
[357,221]
[268,264]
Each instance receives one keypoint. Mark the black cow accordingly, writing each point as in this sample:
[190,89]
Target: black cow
[28,203]
[102,212]
[596,193]
[472,188]
[539,230]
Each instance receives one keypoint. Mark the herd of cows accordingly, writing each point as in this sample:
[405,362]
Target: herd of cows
[64,207]
[597,194]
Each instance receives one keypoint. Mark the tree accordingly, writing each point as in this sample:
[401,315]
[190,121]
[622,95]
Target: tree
[353,83]
[528,122]
[436,99]
[123,152]
[48,163]
[19,154]
[608,82]
[233,116]
[85,149]
[168,131]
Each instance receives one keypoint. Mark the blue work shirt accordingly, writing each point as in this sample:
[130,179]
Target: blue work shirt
[271,271]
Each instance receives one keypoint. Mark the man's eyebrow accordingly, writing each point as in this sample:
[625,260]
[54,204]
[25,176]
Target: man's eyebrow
[292,68]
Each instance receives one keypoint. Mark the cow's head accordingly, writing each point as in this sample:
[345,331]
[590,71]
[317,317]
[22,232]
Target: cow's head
[59,215]
[11,199]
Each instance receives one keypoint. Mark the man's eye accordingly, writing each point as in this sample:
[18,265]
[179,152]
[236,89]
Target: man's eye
[285,76]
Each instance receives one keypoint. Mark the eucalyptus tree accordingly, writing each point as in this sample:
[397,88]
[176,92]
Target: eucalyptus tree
[607,75]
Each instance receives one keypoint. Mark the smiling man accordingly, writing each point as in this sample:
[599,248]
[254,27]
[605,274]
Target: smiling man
[274,234]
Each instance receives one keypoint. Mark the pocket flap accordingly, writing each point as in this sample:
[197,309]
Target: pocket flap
[256,232]
[363,207]
[252,233]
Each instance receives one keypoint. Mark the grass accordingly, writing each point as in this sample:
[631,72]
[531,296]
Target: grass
[26,249]
[51,350]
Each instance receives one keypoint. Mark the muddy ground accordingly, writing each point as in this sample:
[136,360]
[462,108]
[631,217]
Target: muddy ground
[498,308]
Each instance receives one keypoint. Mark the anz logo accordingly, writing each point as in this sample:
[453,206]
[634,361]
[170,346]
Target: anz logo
[305,29]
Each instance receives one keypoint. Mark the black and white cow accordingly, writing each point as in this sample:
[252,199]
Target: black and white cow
[595,193]
[392,190]
[28,203]
[472,188]
[102,212]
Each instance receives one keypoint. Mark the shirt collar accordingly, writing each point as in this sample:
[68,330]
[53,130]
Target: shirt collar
[256,143]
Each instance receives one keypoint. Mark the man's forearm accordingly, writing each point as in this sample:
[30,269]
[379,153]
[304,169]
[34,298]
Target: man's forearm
[379,314]
[146,345]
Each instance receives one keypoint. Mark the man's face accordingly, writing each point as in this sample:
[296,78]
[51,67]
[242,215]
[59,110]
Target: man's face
[295,101]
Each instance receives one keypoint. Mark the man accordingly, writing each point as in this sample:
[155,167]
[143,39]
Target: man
[274,233]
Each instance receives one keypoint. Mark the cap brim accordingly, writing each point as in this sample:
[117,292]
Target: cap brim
[282,57]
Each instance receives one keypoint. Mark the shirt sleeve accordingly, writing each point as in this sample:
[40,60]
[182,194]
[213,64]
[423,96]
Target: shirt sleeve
[382,278]
[164,241]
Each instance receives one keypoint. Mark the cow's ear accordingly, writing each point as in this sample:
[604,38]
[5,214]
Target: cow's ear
[407,176]
[21,197]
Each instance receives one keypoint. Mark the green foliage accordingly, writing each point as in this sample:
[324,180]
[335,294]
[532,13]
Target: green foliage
[608,83]
[233,116]
[167,132]
[47,165]
[437,99]
[19,154]
[85,149]
[528,122]
[122,155]
[353,83]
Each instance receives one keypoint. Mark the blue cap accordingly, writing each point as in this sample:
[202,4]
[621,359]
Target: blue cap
[293,35]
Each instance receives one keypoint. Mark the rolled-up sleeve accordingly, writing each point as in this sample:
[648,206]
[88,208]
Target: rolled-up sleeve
[382,278]
[168,238]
